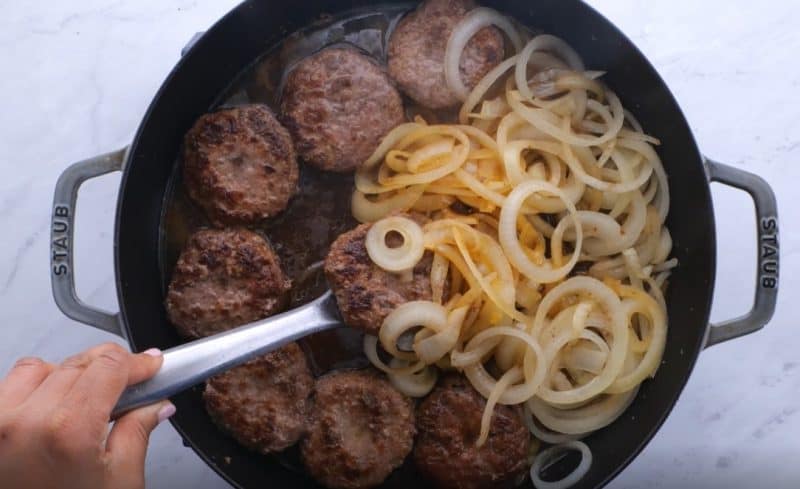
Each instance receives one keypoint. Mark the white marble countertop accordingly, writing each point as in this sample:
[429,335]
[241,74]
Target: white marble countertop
[78,77]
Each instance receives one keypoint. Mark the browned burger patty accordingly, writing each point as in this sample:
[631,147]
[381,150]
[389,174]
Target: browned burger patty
[338,104]
[361,429]
[239,165]
[223,279]
[366,293]
[263,404]
[449,423]
[418,45]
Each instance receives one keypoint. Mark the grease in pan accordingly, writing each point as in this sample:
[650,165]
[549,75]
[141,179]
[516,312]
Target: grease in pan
[540,210]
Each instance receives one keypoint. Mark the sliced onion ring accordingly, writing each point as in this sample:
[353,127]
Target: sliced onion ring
[482,87]
[415,384]
[408,316]
[403,257]
[544,42]
[510,241]
[431,349]
[474,21]
[371,352]
[543,433]
[366,210]
[593,416]
[550,454]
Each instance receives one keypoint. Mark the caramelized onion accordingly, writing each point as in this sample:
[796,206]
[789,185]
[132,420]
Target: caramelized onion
[549,173]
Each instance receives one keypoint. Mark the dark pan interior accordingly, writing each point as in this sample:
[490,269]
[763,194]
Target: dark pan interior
[251,29]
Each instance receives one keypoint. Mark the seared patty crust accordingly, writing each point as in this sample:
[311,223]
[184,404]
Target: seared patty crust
[449,423]
[239,165]
[362,428]
[264,403]
[338,104]
[224,278]
[417,48]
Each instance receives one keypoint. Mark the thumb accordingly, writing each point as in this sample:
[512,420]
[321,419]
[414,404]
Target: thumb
[126,446]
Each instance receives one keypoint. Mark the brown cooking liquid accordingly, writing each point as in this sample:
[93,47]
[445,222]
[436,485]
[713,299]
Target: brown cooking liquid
[320,211]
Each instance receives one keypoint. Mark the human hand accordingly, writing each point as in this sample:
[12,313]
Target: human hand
[54,421]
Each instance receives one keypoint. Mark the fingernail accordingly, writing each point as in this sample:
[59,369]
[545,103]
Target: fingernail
[166,412]
[153,352]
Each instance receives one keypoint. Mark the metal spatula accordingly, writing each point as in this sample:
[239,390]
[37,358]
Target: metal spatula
[194,362]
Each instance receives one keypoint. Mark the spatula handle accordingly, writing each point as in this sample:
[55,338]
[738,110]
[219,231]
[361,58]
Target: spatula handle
[192,363]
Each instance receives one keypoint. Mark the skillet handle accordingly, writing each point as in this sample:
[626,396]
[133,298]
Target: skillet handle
[61,241]
[766,293]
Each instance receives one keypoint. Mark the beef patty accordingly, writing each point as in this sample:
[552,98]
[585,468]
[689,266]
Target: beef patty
[362,428]
[264,403]
[366,293]
[223,279]
[239,165]
[449,423]
[338,104]
[417,48]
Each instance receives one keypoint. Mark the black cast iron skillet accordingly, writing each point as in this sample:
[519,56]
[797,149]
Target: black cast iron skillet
[253,27]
